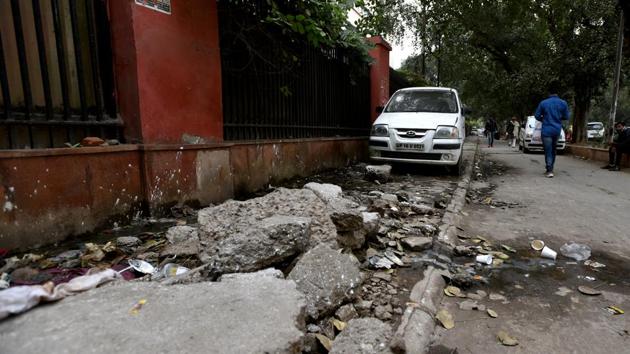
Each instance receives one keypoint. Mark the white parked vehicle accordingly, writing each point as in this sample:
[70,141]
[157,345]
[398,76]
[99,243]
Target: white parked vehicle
[422,125]
[595,130]
[530,140]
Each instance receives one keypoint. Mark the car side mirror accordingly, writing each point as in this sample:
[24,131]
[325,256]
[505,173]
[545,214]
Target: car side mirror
[380,109]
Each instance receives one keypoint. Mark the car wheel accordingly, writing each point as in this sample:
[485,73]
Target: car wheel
[456,170]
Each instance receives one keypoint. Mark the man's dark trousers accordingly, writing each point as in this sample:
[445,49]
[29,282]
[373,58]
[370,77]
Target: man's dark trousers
[614,157]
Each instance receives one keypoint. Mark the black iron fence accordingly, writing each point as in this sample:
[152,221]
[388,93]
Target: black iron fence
[276,87]
[55,73]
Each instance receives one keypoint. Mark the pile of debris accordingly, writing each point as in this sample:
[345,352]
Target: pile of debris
[340,250]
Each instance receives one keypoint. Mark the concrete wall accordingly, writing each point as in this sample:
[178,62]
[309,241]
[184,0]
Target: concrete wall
[595,154]
[50,194]
[168,70]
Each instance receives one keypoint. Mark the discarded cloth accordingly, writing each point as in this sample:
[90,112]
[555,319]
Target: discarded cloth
[22,298]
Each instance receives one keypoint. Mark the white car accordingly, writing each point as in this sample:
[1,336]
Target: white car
[595,130]
[529,137]
[422,125]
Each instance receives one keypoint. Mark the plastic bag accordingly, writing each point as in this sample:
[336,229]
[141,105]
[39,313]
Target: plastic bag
[576,251]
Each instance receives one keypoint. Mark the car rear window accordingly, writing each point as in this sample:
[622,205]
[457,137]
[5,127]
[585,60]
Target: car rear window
[595,126]
[423,101]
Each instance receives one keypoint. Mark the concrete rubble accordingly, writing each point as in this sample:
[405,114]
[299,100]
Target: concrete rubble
[241,315]
[363,336]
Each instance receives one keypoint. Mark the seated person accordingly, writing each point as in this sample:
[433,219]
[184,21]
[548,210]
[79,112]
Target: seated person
[620,146]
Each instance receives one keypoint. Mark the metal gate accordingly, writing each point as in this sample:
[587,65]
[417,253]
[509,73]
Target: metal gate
[56,73]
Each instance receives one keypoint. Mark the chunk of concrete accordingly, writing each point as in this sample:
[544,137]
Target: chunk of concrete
[269,272]
[259,315]
[418,243]
[370,222]
[381,173]
[363,336]
[251,245]
[183,241]
[346,313]
[327,278]
[325,191]
[345,214]
[128,243]
[219,221]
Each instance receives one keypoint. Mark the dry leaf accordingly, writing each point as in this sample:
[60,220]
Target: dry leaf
[508,248]
[615,310]
[325,341]
[452,291]
[445,318]
[501,255]
[492,313]
[506,339]
[340,325]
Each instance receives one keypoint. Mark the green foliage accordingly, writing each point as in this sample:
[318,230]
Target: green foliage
[503,55]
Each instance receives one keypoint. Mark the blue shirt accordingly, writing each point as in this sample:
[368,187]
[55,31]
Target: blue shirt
[551,112]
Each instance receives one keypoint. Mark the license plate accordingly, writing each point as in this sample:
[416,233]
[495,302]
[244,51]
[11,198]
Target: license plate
[414,147]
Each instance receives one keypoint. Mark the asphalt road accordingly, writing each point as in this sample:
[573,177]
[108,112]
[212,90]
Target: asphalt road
[582,204]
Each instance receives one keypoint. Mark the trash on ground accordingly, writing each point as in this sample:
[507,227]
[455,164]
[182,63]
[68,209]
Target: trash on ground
[587,290]
[19,299]
[492,313]
[506,339]
[538,245]
[445,318]
[468,305]
[484,258]
[615,310]
[172,270]
[452,291]
[136,308]
[594,264]
[576,251]
[563,291]
[140,266]
[497,297]
[548,253]
[4,281]
[586,277]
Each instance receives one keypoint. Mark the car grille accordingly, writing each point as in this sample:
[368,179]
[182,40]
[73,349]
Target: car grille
[417,133]
[411,155]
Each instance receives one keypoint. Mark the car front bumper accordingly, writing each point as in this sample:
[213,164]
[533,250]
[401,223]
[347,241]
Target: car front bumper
[536,146]
[444,152]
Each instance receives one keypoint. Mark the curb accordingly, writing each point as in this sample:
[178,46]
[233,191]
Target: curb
[417,323]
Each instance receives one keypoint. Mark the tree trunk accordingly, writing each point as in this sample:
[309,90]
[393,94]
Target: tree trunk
[582,105]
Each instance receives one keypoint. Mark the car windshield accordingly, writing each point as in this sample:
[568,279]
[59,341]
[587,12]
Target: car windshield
[423,101]
[595,126]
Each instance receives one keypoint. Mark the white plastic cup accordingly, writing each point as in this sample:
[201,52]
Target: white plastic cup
[549,253]
[484,258]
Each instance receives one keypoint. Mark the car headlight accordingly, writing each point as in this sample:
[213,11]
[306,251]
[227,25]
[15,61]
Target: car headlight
[446,133]
[380,130]
[528,135]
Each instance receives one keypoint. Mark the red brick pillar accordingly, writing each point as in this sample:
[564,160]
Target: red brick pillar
[379,74]
[168,70]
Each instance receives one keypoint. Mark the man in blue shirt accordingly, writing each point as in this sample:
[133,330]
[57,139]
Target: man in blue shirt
[551,112]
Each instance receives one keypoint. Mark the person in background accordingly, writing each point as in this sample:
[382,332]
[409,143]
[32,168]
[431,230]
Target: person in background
[516,126]
[551,112]
[491,130]
[620,146]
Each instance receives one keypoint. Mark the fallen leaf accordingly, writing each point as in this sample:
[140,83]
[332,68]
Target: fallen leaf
[136,308]
[615,310]
[497,262]
[340,325]
[492,313]
[506,339]
[325,341]
[445,318]
[587,290]
[501,255]
[508,248]
[475,240]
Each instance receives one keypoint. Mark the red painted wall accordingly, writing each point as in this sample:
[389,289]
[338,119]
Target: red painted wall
[174,87]
[379,74]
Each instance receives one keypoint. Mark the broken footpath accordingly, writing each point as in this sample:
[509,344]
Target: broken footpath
[314,269]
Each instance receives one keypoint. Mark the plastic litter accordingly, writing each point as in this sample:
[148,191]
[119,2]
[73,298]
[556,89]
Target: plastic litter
[484,258]
[576,251]
[22,298]
[594,264]
[538,245]
[172,270]
[4,281]
[548,253]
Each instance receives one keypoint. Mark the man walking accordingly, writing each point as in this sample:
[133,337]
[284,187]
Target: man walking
[551,112]
[620,146]
[491,130]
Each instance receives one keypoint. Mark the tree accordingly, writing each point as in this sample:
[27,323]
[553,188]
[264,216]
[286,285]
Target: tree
[502,55]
